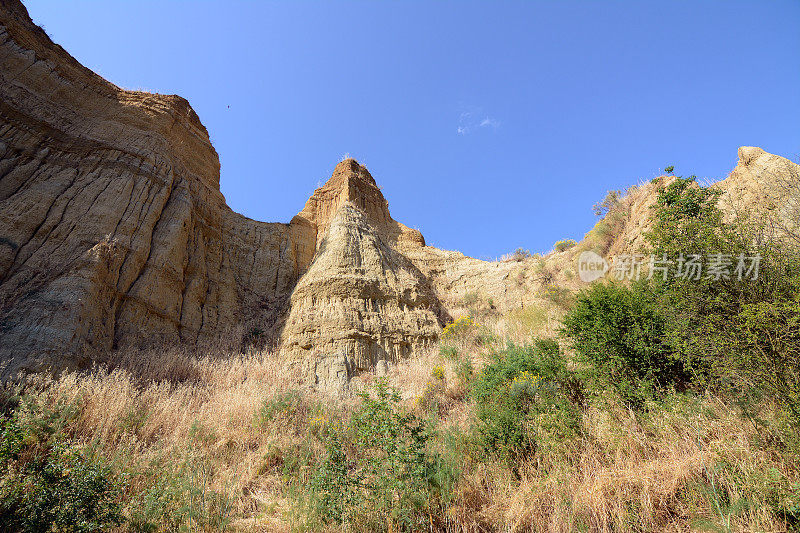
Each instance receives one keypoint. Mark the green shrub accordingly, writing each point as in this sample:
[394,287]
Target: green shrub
[738,335]
[520,254]
[769,335]
[619,336]
[503,432]
[526,399]
[384,478]
[48,483]
[566,244]
[282,402]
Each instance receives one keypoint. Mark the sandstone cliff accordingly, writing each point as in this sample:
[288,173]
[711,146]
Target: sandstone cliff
[113,231]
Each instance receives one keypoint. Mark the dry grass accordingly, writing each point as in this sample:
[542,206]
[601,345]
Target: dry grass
[202,421]
[198,412]
[628,475]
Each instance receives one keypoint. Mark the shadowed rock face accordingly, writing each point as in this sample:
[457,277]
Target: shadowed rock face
[112,226]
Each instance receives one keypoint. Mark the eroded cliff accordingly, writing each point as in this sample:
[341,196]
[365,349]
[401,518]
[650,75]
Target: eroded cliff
[113,231]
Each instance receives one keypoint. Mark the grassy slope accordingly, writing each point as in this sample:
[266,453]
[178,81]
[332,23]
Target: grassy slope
[221,442]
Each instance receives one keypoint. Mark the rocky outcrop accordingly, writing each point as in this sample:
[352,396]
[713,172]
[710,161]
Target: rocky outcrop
[361,299]
[113,229]
[765,187]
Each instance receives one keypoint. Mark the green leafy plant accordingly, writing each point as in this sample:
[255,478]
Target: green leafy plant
[619,337]
[47,482]
[525,398]
[386,479]
[449,352]
[736,333]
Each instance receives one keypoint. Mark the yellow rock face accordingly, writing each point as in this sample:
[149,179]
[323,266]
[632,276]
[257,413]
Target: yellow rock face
[113,232]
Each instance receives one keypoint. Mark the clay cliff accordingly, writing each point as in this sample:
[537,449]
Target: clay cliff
[112,225]
[114,232]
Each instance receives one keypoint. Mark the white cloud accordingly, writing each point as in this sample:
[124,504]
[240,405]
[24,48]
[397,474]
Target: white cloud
[475,119]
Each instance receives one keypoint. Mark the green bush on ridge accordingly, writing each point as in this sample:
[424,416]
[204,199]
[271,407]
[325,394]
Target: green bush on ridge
[737,335]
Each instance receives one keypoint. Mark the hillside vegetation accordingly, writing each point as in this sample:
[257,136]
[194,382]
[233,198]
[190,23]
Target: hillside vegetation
[663,404]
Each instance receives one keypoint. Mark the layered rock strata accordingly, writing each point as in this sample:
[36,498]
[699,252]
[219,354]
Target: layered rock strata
[113,231]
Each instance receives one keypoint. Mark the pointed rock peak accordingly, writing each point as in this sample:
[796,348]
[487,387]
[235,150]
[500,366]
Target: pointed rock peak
[350,182]
[353,169]
[748,154]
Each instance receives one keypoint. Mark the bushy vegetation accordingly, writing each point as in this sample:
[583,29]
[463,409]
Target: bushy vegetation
[728,332]
[387,482]
[738,330]
[520,254]
[612,211]
[47,481]
[525,399]
[563,245]
[608,204]
[619,335]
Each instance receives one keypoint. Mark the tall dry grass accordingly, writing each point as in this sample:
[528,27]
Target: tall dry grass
[185,416]
[167,415]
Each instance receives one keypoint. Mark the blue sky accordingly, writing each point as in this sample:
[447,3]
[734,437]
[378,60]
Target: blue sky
[488,125]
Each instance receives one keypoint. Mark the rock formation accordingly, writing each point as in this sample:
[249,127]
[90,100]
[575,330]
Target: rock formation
[113,231]
[361,300]
[112,225]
